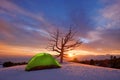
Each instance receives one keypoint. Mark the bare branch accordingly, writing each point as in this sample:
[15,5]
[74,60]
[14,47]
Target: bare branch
[58,55]
[54,49]
[73,45]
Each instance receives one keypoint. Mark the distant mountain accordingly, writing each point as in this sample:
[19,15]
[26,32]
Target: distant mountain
[14,59]
[95,57]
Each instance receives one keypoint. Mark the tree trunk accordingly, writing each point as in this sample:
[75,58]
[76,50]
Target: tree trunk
[61,58]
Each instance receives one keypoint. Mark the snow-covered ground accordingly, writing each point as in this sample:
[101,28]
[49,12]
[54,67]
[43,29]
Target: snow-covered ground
[69,71]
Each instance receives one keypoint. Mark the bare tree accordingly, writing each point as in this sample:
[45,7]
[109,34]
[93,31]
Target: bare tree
[62,42]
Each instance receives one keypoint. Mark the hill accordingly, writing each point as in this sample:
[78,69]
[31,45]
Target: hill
[69,71]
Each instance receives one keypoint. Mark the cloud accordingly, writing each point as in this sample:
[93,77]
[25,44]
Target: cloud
[80,20]
[112,14]
[22,36]
[107,31]
[12,9]
[21,16]
[21,27]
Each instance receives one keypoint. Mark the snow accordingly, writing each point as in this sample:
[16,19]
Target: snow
[69,71]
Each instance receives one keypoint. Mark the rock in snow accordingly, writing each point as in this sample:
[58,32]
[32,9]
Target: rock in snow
[69,71]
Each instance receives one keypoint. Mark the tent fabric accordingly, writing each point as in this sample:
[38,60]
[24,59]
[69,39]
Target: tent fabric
[42,61]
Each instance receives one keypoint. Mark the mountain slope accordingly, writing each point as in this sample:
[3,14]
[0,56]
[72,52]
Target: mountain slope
[69,71]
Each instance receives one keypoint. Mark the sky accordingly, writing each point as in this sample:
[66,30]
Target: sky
[25,25]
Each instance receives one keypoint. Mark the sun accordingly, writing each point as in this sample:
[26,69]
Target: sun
[70,55]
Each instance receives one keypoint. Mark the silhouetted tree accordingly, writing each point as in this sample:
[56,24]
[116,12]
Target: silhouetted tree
[75,60]
[115,62]
[8,64]
[92,62]
[111,61]
[62,42]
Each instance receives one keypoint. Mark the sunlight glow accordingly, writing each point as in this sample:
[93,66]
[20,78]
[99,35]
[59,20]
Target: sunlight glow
[71,55]
[80,52]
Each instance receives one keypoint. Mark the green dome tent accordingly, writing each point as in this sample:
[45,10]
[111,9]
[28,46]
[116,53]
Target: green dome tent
[42,61]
